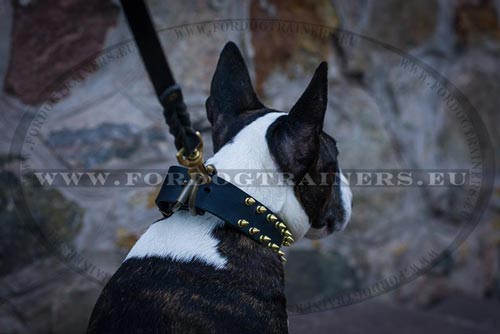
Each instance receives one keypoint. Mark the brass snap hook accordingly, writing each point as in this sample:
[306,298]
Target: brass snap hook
[198,174]
[194,162]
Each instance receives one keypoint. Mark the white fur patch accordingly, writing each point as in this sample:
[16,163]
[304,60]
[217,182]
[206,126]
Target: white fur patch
[182,238]
[249,151]
[346,196]
[316,233]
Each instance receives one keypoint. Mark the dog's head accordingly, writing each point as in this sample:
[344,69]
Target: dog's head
[244,131]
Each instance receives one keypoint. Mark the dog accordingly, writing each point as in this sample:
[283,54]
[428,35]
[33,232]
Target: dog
[195,274]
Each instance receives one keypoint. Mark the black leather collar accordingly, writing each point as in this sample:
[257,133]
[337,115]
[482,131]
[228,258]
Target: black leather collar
[229,203]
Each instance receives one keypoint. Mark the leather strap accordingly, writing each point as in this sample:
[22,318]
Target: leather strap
[223,200]
[168,92]
[149,46]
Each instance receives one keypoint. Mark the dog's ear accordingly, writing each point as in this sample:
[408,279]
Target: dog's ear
[297,135]
[231,96]
[308,113]
[231,91]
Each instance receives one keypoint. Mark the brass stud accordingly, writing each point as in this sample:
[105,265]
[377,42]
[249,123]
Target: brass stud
[274,247]
[243,223]
[253,230]
[290,240]
[264,238]
[272,218]
[210,169]
[260,209]
[249,201]
[280,225]
[281,253]
[283,259]
[286,243]
[287,233]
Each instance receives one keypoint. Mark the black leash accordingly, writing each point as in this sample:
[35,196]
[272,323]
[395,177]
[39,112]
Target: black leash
[246,214]
[167,90]
[187,141]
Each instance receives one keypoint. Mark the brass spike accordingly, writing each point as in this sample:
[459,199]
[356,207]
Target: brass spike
[280,225]
[264,238]
[283,259]
[286,243]
[274,247]
[260,209]
[253,230]
[281,253]
[272,218]
[290,240]
[249,201]
[287,233]
[243,222]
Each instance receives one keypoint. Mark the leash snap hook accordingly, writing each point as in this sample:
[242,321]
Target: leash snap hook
[198,174]
[194,162]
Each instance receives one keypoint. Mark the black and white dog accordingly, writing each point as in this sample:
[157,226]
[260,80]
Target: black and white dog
[194,274]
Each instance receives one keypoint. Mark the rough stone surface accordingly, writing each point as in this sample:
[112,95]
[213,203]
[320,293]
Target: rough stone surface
[313,274]
[383,112]
[52,212]
[377,317]
[284,42]
[46,297]
[49,38]
[476,20]
[403,24]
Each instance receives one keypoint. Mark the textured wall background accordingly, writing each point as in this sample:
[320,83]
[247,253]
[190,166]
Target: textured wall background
[105,116]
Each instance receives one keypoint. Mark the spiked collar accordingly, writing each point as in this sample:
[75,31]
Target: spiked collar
[229,203]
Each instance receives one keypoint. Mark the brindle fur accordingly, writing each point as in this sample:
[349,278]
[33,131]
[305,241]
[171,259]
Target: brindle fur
[157,295]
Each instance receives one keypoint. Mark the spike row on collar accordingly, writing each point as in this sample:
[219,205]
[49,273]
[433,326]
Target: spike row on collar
[260,209]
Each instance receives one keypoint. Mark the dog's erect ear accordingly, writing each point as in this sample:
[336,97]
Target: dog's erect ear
[296,137]
[232,103]
[231,90]
[309,111]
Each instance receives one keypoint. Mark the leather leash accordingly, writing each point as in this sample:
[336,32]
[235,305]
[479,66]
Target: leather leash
[246,214]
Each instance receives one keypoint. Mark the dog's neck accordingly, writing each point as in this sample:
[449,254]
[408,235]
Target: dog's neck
[183,237]
[249,152]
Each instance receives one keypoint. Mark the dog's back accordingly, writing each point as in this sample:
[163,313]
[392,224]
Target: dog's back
[159,295]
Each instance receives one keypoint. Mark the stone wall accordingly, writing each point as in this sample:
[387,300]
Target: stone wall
[72,66]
